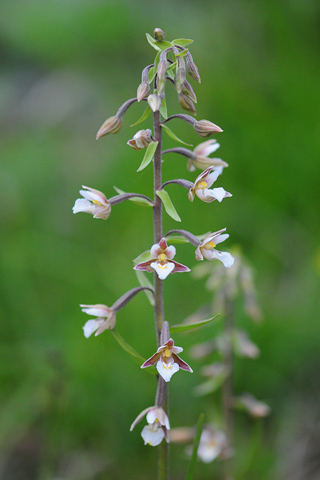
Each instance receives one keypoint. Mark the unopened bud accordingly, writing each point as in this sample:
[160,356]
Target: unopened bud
[111,125]
[154,102]
[143,91]
[180,76]
[159,34]
[188,91]
[204,128]
[186,103]
[192,68]
[141,139]
[161,75]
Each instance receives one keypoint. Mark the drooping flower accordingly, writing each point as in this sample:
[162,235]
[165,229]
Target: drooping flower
[106,319]
[161,261]
[202,184]
[207,249]
[201,157]
[167,360]
[157,428]
[94,202]
[141,139]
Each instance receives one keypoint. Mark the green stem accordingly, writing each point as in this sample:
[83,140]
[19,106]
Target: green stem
[163,458]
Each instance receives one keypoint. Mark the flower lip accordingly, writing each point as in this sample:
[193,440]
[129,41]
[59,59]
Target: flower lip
[202,184]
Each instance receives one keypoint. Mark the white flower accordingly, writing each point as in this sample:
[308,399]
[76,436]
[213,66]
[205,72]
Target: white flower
[94,202]
[207,249]
[162,261]
[106,319]
[157,428]
[212,444]
[202,184]
[168,362]
[141,139]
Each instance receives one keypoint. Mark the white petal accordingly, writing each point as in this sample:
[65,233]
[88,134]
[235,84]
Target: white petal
[152,437]
[217,193]
[83,205]
[154,250]
[162,270]
[225,257]
[96,312]
[166,370]
[92,196]
[212,177]
[90,327]
[170,253]
[220,238]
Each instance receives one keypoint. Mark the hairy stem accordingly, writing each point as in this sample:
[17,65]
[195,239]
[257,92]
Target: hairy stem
[163,458]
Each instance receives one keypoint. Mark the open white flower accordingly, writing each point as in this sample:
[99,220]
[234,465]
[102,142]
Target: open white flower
[157,428]
[106,319]
[162,261]
[202,185]
[167,360]
[94,202]
[207,249]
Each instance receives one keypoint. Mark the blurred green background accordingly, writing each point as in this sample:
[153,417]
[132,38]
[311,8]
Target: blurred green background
[67,402]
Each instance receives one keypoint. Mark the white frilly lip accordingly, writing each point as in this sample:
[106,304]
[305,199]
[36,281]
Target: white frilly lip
[152,436]
[166,370]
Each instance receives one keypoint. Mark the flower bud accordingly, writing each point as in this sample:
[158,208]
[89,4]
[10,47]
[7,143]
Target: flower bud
[154,102]
[141,139]
[181,75]
[111,125]
[161,75]
[204,128]
[143,91]
[188,91]
[159,34]
[186,103]
[192,68]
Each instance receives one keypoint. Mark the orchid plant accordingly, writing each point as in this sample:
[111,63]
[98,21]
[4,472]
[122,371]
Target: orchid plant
[173,62]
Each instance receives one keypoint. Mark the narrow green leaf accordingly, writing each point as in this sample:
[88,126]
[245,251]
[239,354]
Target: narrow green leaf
[131,351]
[163,108]
[182,42]
[144,282]
[143,117]
[174,136]
[127,348]
[143,257]
[143,202]
[196,442]
[182,54]
[180,239]
[158,45]
[148,156]
[184,327]
[168,205]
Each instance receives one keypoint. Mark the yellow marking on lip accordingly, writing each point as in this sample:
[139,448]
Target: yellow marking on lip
[203,184]
[162,257]
[96,202]
[209,245]
[167,353]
